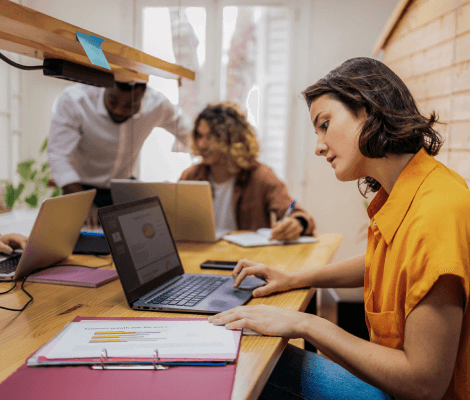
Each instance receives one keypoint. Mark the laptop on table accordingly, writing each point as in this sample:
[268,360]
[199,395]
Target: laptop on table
[53,236]
[188,205]
[150,269]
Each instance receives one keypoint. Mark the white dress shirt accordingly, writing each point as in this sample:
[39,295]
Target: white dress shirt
[86,146]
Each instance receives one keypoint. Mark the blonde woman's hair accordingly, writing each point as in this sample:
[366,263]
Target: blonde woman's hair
[233,132]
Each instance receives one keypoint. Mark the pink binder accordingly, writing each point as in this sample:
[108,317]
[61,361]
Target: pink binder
[78,383]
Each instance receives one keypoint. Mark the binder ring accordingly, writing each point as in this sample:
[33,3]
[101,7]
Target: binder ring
[104,355]
[155,358]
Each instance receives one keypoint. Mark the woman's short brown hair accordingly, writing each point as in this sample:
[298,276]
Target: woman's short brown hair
[233,132]
[394,125]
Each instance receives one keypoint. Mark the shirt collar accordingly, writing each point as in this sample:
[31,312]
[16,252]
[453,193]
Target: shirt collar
[388,211]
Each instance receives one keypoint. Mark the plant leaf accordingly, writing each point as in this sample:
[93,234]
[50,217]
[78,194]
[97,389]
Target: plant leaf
[18,191]
[9,195]
[56,192]
[24,168]
[44,145]
[32,200]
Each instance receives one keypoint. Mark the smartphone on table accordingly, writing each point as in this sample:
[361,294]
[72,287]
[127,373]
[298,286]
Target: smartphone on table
[224,265]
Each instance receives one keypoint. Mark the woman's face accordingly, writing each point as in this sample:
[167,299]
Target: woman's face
[208,147]
[338,129]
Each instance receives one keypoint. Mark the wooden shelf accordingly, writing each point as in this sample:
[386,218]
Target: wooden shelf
[34,34]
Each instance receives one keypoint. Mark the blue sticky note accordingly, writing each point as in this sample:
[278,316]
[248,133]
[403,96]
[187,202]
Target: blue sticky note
[92,46]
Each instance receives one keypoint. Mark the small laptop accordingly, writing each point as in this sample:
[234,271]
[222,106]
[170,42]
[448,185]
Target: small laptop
[150,268]
[188,205]
[53,236]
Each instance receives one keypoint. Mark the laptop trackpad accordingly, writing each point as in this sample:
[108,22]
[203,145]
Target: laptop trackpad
[251,283]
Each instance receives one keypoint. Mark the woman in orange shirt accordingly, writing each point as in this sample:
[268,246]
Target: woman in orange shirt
[415,272]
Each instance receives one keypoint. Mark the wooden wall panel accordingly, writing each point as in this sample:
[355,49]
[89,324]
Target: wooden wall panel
[463,18]
[462,47]
[432,34]
[461,77]
[458,161]
[461,107]
[434,84]
[430,50]
[459,136]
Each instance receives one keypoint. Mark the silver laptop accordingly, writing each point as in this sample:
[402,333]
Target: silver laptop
[150,269]
[188,205]
[52,237]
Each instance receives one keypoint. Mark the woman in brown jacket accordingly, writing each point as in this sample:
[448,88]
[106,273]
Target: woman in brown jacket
[247,194]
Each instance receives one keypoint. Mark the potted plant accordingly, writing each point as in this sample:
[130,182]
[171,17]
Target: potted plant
[34,186]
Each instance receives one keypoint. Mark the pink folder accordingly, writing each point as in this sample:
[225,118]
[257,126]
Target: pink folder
[78,383]
[74,276]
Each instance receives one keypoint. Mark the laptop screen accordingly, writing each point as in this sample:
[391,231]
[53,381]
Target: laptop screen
[143,249]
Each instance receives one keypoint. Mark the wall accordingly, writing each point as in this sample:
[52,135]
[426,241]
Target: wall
[340,30]
[429,50]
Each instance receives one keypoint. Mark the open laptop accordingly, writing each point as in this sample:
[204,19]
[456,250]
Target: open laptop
[53,236]
[149,266]
[188,205]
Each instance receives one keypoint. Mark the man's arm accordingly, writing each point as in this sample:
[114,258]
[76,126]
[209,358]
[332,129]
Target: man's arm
[173,119]
[64,137]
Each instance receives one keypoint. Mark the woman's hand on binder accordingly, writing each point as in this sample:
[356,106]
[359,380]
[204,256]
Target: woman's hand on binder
[264,319]
[276,281]
[12,241]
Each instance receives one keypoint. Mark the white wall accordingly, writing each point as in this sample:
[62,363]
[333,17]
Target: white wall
[339,30]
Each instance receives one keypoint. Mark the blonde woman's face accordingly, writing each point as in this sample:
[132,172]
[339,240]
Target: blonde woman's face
[207,145]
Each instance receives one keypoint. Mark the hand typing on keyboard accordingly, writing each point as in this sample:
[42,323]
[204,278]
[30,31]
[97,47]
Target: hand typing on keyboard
[12,241]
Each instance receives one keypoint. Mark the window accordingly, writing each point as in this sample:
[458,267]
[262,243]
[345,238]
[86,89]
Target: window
[240,53]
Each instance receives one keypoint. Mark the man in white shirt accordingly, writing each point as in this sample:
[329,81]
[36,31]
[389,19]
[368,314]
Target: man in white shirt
[96,135]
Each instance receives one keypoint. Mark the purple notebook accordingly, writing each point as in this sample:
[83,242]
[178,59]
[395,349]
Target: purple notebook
[74,276]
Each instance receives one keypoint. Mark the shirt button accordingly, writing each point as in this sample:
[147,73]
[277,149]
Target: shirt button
[375,223]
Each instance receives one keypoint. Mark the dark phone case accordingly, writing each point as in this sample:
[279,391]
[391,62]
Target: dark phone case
[226,266]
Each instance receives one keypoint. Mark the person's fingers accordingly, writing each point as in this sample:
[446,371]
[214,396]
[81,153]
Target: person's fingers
[221,315]
[22,241]
[279,231]
[293,233]
[257,270]
[291,230]
[244,262]
[4,248]
[265,290]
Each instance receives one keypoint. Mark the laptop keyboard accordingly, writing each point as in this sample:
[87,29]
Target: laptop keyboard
[9,265]
[189,292]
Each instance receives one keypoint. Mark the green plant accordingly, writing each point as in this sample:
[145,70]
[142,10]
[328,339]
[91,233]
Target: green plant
[33,184]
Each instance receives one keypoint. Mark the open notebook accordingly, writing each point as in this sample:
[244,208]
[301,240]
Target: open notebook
[261,238]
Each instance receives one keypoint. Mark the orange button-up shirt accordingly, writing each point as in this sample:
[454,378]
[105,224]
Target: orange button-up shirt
[418,233]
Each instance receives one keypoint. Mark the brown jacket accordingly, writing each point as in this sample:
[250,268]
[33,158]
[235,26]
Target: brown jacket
[257,192]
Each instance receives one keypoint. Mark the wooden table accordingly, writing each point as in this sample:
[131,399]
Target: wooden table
[54,305]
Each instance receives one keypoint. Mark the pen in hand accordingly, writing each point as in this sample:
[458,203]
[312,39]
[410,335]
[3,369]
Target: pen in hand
[289,210]
[286,215]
